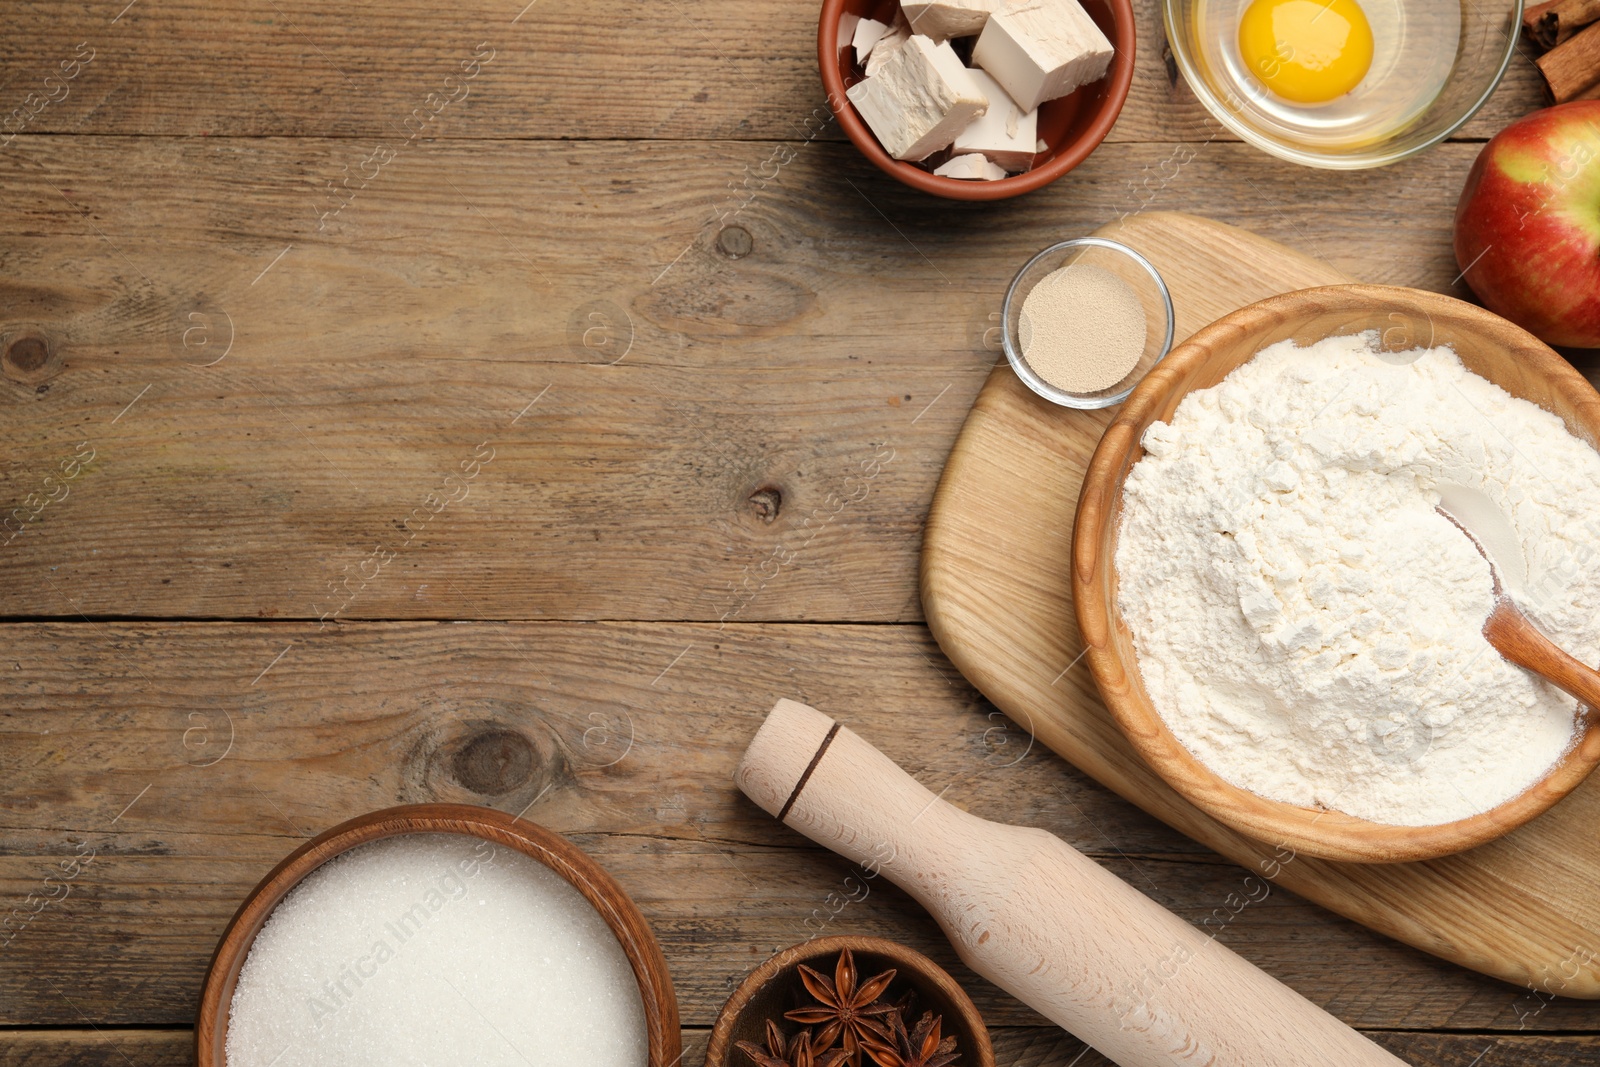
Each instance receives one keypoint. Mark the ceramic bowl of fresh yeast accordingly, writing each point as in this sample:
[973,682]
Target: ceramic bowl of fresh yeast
[1297,545]
[975,99]
[437,933]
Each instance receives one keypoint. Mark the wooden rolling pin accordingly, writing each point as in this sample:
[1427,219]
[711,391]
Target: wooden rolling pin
[1038,918]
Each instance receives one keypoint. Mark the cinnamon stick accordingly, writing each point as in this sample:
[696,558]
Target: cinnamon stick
[1562,20]
[1533,12]
[1572,66]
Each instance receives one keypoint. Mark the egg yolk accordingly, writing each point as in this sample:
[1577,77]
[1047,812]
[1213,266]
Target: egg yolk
[1306,51]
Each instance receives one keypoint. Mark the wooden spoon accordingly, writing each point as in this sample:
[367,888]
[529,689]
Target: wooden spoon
[1516,638]
[1511,632]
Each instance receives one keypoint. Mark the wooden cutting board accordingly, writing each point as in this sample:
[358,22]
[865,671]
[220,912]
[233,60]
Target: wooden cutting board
[996,593]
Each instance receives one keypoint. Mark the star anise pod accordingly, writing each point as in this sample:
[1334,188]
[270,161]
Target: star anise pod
[847,1012]
[798,1051]
[922,1047]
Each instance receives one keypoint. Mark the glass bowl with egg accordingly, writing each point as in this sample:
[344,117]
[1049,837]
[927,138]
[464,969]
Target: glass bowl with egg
[1085,320]
[1342,84]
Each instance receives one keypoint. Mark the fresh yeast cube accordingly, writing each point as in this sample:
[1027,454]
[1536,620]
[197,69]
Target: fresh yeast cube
[973,167]
[941,20]
[919,100]
[1005,133]
[868,33]
[1041,49]
[898,33]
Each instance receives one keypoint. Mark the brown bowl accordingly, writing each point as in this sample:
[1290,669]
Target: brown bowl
[1489,346]
[774,988]
[1071,127]
[548,847]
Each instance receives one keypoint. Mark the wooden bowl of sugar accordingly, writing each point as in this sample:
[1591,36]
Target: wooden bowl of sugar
[437,933]
[1404,319]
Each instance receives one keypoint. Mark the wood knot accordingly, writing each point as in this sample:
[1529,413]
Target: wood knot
[735,242]
[1169,63]
[507,750]
[494,762]
[766,502]
[29,358]
[703,301]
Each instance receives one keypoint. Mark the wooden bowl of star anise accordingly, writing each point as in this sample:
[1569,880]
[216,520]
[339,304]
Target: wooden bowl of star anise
[849,1002]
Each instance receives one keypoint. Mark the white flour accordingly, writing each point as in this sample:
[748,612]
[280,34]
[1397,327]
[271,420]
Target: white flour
[1309,627]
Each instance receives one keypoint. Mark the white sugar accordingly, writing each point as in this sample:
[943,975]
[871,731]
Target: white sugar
[436,949]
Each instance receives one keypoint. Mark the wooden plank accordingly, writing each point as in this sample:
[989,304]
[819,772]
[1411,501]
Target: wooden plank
[1418,1049]
[376,347]
[96,1048]
[1013,1046]
[115,743]
[614,68]
[372,359]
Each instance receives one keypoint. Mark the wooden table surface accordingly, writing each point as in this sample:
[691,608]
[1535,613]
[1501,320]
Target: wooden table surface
[470,402]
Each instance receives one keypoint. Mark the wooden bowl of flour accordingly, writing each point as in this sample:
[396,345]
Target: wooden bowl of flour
[1405,318]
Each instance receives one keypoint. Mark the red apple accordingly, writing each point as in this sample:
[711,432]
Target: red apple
[1528,224]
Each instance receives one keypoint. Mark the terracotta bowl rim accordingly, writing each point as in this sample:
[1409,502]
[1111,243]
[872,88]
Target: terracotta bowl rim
[1325,834]
[1119,78]
[546,846]
[906,959]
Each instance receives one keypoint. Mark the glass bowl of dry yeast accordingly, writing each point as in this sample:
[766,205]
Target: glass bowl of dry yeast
[1085,320]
